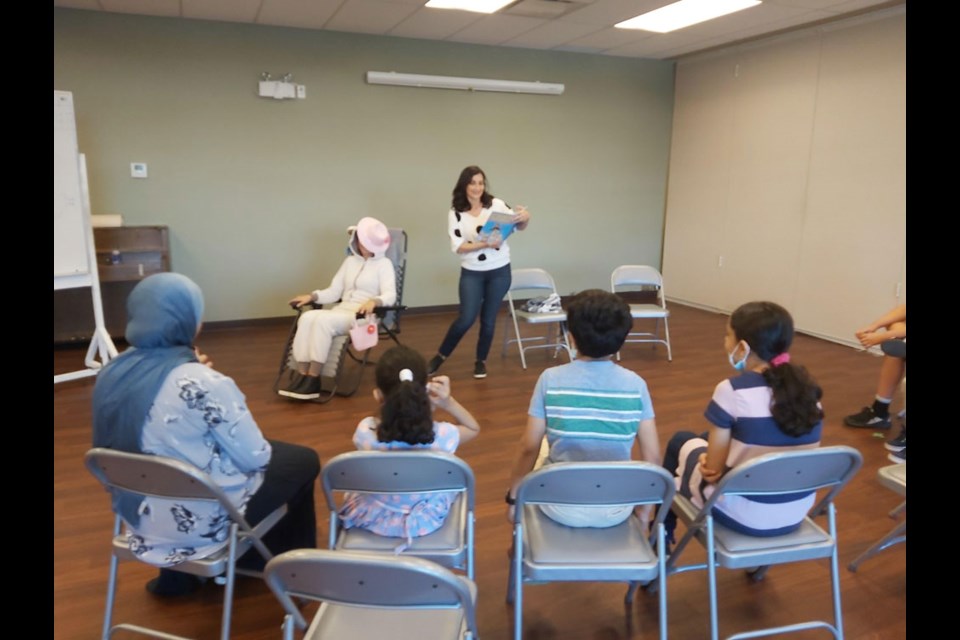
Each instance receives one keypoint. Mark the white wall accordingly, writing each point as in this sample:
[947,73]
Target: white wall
[257,192]
[788,176]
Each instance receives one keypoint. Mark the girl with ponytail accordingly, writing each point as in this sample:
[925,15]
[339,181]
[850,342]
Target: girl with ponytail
[772,404]
[407,401]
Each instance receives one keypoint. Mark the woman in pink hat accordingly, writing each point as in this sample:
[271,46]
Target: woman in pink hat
[365,280]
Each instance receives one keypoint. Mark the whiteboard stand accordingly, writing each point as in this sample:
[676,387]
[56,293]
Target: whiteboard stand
[101,344]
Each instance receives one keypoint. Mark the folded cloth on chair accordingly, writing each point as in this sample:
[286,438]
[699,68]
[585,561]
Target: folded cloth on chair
[548,304]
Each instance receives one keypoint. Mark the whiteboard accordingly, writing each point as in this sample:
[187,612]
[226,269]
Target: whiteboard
[70,256]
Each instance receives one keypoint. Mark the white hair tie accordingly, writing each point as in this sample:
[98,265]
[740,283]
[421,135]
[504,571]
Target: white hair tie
[406,375]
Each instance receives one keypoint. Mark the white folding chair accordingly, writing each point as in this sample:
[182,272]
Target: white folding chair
[163,477]
[644,278]
[546,551]
[405,472]
[893,477]
[772,474]
[372,595]
[535,282]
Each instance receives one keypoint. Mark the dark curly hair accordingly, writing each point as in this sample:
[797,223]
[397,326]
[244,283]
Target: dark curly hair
[406,414]
[599,321]
[460,202]
[768,329]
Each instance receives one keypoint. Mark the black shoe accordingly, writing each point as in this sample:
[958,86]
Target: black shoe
[899,443]
[898,456]
[867,419]
[307,389]
[172,583]
[479,369]
[434,365]
[295,381]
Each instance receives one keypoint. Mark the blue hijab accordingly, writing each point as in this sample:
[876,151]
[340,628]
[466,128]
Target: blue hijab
[163,314]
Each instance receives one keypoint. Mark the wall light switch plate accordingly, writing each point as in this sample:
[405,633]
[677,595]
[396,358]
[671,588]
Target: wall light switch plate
[138,169]
[301,91]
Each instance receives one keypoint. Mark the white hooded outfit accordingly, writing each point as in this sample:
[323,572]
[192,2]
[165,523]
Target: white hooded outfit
[358,280]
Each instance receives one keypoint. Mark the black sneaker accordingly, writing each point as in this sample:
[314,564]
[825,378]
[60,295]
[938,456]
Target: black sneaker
[899,443]
[434,365]
[308,389]
[295,381]
[479,369]
[898,456]
[867,419]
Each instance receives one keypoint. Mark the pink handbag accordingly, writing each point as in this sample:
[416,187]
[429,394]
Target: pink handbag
[365,335]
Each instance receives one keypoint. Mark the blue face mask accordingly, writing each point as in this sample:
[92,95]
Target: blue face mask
[740,364]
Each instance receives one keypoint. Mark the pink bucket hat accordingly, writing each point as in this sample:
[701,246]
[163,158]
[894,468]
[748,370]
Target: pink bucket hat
[373,235]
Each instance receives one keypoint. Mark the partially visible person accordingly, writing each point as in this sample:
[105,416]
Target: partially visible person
[484,265]
[366,279]
[590,409]
[890,326]
[406,422]
[770,405]
[163,397]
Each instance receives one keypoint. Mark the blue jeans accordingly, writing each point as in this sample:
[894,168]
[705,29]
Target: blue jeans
[481,293]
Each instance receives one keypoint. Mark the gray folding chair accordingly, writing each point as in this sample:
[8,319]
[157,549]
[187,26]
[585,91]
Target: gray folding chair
[535,282]
[371,595]
[546,551]
[162,477]
[640,278]
[772,474]
[405,472]
[893,477]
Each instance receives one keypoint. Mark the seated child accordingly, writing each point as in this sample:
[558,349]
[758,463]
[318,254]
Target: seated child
[591,409]
[406,422]
[770,405]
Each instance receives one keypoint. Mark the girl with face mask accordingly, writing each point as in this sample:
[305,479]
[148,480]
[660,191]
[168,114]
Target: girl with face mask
[770,405]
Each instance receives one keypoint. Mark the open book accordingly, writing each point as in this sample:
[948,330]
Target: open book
[500,223]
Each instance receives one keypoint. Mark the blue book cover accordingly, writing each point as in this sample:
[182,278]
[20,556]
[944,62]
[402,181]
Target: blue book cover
[499,222]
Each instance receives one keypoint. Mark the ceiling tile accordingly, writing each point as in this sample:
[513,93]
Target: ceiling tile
[608,38]
[143,7]
[606,13]
[91,5]
[435,24]
[227,10]
[369,16]
[305,14]
[551,34]
[496,29]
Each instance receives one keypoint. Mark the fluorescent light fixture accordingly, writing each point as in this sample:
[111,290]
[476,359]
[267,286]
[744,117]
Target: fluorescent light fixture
[465,84]
[685,13]
[477,6]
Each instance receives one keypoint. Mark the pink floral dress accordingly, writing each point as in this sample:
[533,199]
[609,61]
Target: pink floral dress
[399,515]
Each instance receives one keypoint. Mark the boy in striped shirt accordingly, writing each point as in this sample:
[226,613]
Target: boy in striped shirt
[591,409]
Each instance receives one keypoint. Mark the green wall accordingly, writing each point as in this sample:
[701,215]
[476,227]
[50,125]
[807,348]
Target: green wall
[257,192]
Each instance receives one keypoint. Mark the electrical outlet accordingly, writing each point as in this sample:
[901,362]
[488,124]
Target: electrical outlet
[301,91]
[138,169]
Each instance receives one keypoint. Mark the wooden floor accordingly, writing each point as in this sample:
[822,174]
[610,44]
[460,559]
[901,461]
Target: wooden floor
[874,599]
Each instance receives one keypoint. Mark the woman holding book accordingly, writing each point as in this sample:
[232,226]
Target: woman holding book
[484,262]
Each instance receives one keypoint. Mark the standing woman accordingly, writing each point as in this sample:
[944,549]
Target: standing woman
[484,265]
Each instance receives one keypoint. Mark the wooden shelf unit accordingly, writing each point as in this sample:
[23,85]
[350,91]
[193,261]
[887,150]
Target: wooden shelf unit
[140,251]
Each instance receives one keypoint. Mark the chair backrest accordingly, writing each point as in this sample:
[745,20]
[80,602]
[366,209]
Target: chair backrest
[156,476]
[598,483]
[397,253]
[532,278]
[792,472]
[364,578]
[635,275]
[417,471]
[367,579]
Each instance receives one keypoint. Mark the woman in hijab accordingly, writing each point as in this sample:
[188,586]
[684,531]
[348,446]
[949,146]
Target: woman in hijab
[163,397]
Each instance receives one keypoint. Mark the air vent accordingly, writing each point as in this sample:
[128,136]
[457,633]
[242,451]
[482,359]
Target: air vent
[543,8]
